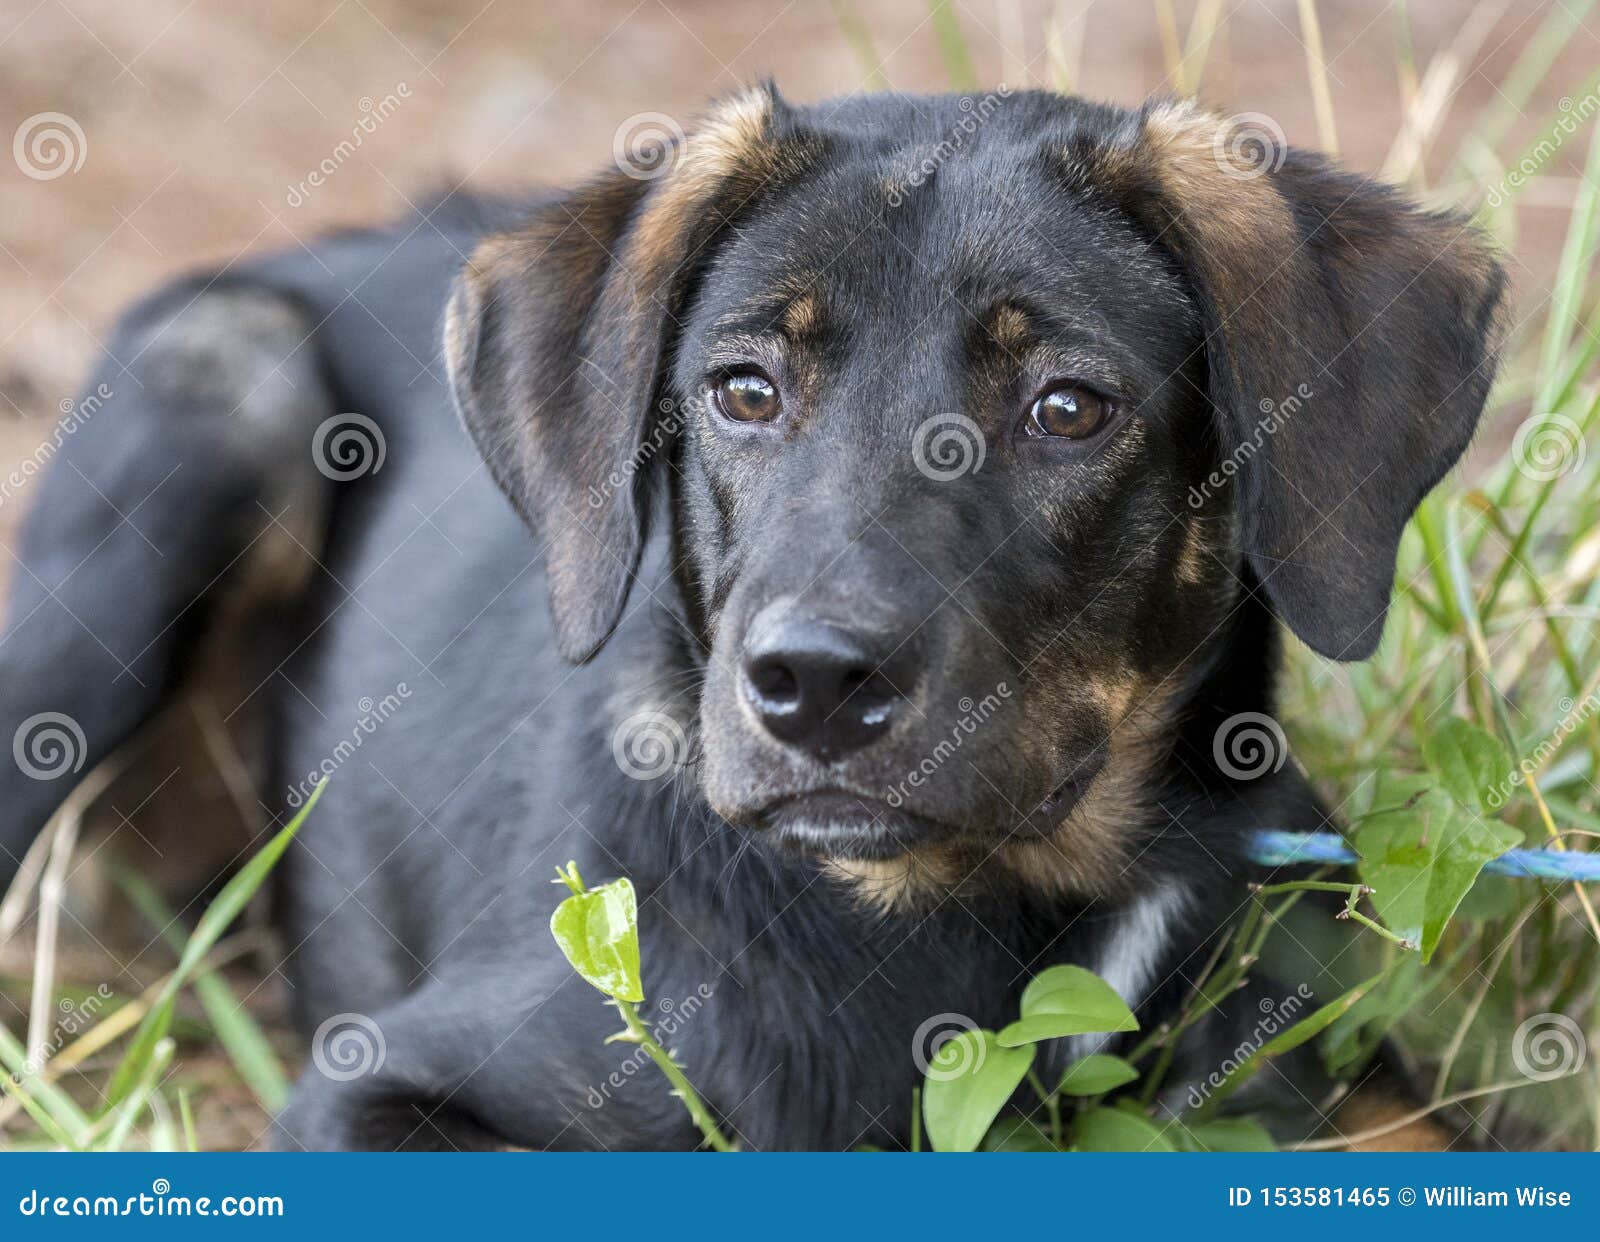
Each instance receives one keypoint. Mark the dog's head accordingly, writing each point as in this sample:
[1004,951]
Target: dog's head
[978,419]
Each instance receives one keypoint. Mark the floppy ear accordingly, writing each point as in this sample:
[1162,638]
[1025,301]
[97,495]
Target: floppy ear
[555,336]
[1350,341]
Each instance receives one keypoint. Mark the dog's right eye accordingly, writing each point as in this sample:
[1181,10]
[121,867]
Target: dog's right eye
[747,398]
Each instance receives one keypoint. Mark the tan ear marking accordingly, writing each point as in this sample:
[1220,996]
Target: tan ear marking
[731,143]
[1239,229]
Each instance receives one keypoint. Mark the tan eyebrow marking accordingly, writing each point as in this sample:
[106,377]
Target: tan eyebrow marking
[1008,325]
[803,316]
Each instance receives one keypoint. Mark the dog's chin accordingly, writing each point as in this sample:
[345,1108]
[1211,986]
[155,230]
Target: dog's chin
[835,826]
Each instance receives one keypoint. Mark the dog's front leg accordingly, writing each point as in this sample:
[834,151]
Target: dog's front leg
[489,1062]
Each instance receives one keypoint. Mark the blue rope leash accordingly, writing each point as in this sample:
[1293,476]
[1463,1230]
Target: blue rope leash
[1281,849]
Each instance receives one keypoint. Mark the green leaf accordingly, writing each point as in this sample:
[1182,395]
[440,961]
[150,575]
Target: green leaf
[1420,855]
[1472,765]
[1067,1000]
[970,1079]
[219,916]
[1115,1129]
[1373,1015]
[599,932]
[1096,1074]
[1018,1133]
[1230,1134]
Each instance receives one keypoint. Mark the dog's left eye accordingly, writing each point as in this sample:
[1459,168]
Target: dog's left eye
[1069,412]
[747,398]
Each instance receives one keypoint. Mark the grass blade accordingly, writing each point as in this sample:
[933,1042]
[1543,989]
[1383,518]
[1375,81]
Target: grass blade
[859,37]
[64,1113]
[952,46]
[246,1046]
[228,905]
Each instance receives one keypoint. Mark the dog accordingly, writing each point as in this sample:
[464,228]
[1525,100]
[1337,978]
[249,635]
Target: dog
[905,498]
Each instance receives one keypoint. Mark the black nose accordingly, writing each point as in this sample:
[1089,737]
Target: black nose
[821,687]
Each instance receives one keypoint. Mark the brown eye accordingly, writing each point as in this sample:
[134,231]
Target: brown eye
[1069,412]
[747,398]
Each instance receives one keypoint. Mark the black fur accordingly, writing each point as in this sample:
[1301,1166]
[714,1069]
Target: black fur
[1085,577]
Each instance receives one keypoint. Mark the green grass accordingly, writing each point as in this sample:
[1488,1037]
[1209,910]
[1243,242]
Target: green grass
[130,1109]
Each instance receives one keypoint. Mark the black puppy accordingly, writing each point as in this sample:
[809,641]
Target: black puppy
[916,485]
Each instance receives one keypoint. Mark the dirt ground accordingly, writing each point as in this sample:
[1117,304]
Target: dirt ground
[192,128]
[201,118]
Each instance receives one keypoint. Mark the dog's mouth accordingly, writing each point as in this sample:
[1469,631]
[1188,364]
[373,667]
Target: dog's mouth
[838,824]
